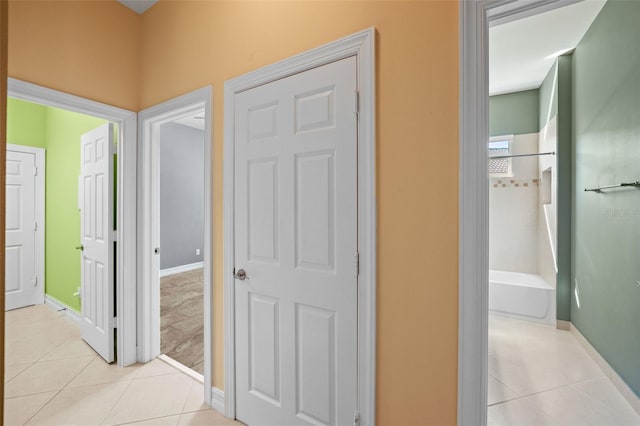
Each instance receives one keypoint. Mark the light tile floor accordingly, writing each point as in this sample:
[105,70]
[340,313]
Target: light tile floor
[53,378]
[542,376]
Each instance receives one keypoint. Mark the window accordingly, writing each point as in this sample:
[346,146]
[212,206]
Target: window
[500,146]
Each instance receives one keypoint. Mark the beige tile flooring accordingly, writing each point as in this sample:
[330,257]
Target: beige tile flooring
[53,378]
[542,376]
[182,318]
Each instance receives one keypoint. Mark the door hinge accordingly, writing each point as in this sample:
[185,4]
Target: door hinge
[113,322]
[35,226]
[114,236]
[35,281]
[357,264]
[356,102]
[35,171]
[356,418]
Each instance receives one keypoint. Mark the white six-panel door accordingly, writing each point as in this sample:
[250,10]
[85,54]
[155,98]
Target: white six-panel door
[96,231]
[20,277]
[296,240]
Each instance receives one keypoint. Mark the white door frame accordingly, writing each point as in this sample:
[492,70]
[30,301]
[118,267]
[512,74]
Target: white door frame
[476,16]
[149,222]
[362,46]
[126,199]
[39,154]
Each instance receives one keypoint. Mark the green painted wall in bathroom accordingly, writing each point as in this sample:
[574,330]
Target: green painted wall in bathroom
[606,238]
[514,113]
[26,123]
[564,171]
[548,97]
[62,268]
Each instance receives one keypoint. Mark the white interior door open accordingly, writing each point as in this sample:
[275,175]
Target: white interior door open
[20,247]
[296,249]
[97,236]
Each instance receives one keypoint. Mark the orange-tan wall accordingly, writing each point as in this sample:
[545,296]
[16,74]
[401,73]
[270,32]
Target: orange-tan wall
[89,48]
[184,45]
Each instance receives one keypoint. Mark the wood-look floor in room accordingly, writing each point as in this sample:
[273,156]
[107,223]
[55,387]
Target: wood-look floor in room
[182,318]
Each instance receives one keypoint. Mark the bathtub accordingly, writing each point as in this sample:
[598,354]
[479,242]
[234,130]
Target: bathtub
[524,296]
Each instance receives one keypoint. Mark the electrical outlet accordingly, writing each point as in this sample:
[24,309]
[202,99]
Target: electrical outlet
[197,252]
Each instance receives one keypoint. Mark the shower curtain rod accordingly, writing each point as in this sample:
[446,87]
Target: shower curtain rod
[521,155]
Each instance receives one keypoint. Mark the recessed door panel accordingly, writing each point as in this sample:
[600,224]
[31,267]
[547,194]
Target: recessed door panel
[264,348]
[263,210]
[315,214]
[316,364]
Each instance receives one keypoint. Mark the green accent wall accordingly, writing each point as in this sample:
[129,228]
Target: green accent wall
[59,133]
[62,266]
[606,239]
[514,113]
[26,123]
[549,96]
[564,172]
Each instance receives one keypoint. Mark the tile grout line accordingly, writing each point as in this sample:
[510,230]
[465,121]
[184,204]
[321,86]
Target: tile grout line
[58,391]
[117,401]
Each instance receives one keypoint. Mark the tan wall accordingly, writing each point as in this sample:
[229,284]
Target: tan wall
[3,151]
[187,45]
[88,48]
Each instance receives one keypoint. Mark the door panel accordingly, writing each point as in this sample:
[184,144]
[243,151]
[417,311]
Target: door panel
[96,229]
[296,238]
[20,276]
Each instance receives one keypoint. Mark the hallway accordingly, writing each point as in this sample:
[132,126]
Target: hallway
[53,378]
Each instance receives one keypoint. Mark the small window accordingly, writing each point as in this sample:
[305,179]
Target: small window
[500,146]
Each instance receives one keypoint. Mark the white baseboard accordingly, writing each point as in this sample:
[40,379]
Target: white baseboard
[181,268]
[611,374]
[59,306]
[183,368]
[217,400]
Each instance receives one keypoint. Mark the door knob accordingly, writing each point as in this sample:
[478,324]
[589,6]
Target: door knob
[80,247]
[241,275]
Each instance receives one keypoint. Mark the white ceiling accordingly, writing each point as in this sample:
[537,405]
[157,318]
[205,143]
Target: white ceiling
[139,6]
[196,121]
[522,52]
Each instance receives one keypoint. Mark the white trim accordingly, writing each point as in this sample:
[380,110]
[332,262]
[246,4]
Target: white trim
[58,306]
[126,210]
[362,46]
[473,207]
[217,400]
[180,269]
[181,367]
[40,163]
[608,371]
[149,224]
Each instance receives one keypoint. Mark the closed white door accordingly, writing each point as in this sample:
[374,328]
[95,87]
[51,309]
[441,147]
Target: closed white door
[296,241]
[20,276]
[97,235]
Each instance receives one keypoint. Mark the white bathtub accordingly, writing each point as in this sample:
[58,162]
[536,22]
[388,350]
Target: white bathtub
[525,296]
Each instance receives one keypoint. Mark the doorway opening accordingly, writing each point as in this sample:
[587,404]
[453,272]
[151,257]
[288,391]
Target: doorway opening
[79,216]
[175,222]
[522,256]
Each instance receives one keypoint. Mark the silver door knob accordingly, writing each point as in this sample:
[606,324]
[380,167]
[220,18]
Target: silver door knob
[241,275]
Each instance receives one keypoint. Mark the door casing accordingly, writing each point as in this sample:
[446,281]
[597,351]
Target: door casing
[149,225]
[473,221]
[362,46]
[39,154]
[126,199]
